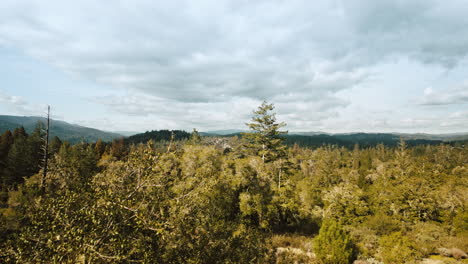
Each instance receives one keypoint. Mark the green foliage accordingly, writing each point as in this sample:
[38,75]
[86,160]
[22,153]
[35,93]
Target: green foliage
[6,140]
[118,148]
[150,208]
[55,145]
[460,222]
[364,140]
[265,140]
[333,244]
[382,224]
[195,202]
[195,138]
[156,136]
[346,202]
[398,248]
[21,160]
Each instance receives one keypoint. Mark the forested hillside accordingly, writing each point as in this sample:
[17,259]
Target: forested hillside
[233,200]
[157,135]
[63,130]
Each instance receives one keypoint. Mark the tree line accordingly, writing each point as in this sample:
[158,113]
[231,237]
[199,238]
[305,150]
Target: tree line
[233,200]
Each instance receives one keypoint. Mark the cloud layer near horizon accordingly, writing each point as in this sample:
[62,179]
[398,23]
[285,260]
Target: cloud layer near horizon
[209,63]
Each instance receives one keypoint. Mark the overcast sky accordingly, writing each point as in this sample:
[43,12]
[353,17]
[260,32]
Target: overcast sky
[334,66]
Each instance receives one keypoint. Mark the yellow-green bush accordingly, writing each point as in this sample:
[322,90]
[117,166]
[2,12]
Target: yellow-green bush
[333,244]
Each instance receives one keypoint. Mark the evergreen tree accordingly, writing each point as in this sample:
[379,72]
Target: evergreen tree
[118,148]
[195,138]
[19,132]
[55,145]
[19,161]
[265,140]
[36,144]
[333,244]
[6,140]
[99,148]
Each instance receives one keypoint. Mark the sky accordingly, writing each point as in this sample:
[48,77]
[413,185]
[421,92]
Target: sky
[335,66]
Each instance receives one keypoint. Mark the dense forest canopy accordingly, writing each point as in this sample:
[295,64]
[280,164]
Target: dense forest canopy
[160,135]
[251,199]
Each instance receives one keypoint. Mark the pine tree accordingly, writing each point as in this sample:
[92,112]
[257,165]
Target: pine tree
[99,148]
[195,138]
[36,144]
[19,161]
[19,132]
[118,148]
[333,244]
[265,138]
[6,141]
[55,145]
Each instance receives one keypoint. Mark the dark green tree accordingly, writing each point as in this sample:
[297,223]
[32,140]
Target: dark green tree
[19,161]
[118,148]
[19,132]
[6,140]
[265,138]
[36,144]
[99,148]
[55,145]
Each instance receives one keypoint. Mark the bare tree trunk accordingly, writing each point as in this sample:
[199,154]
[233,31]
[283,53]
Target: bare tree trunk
[279,174]
[279,179]
[263,153]
[169,148]
[46,150]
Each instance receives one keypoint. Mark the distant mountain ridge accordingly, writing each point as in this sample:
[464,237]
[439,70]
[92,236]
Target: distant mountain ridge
[317,139]
[407,136]
[65,131]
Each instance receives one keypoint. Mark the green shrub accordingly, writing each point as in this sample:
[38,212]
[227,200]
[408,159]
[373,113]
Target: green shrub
[428,236]
[382,224]
[460,222]
[333,244]
[366,241]
[292,240]
[397,248]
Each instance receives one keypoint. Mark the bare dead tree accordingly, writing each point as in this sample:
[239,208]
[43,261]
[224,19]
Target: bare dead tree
[45,149]
[171,142]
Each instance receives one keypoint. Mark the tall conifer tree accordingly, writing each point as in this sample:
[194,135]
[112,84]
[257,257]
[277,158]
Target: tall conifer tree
[265,138]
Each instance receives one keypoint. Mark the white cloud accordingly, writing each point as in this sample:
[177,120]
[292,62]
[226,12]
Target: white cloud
[18,105]
[209,63]
[458,95]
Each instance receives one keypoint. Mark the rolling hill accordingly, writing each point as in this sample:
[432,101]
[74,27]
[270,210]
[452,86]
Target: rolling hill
[65,131]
